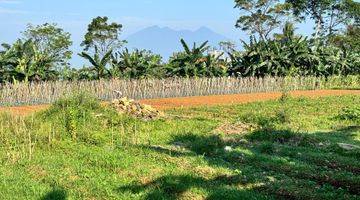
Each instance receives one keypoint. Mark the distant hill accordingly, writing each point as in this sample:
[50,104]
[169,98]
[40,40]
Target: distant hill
[165,41]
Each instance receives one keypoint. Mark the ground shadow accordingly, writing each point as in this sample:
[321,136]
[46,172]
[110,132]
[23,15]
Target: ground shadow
[55,194]
[275,164]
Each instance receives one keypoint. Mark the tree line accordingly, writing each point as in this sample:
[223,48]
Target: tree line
[43,52]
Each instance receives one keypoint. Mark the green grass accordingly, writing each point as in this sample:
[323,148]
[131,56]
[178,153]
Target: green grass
[79,149]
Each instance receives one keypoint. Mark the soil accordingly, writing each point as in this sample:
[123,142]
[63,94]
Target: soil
[169,103]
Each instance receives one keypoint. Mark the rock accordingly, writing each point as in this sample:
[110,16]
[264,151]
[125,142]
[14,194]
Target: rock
[135,108]
[228,149]
[348,146]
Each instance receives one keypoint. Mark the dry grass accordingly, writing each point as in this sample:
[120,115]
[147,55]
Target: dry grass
[48,92]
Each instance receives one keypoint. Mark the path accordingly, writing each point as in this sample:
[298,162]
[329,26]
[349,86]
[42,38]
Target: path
[169,103]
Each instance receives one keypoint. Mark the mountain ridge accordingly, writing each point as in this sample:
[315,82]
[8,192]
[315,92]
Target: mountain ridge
[165,40]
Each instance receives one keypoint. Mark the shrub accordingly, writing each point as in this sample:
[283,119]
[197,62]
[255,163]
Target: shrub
[80,117]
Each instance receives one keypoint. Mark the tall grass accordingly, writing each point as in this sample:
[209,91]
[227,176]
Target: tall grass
[78,118]
[49,92]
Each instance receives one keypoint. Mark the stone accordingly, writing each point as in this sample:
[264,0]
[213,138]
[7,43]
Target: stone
[228,149]
[348,146]
[135,108]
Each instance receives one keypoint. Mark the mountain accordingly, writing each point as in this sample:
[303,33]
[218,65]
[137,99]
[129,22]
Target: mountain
[165,41]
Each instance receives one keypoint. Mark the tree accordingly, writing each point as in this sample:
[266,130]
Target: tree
[349,40]
[288,32]
[329,15]
[103,36]
[24,62]
[53,43]
[227,46]
[261,17]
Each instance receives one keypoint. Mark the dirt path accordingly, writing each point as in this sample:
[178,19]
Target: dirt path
[169,103]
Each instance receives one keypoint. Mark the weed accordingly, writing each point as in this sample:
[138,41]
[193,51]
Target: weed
[350,113]
[112,158]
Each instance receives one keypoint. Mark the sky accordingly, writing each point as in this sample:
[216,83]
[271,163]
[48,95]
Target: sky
[74,16]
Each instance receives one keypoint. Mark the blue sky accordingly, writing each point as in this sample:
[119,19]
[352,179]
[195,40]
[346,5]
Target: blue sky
[74,15]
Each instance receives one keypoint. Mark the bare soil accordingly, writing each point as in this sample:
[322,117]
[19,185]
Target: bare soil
[169,103]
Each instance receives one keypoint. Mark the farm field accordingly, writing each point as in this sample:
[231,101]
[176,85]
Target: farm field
[169,103]
[180,99]
[284,148]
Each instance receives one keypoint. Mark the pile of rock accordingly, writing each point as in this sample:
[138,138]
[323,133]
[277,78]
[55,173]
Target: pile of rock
[135,108]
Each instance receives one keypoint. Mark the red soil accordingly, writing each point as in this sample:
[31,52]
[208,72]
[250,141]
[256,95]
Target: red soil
[169,103]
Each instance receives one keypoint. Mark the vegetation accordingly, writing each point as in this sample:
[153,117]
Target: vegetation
[36,57]
[48,92]
[79,149]
[262,17]
[289,54]
[289,148]
[333,49]
[138,64]
[194,63]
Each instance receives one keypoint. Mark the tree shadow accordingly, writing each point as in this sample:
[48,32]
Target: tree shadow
[279,164]
[55,194]
[177,186]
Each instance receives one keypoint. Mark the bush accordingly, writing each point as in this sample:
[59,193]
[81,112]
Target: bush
[81,117]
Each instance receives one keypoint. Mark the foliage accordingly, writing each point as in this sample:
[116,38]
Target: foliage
[329,15]
[102,37]
[98,63]
[43,53]
[51,41]
[74,114]
[349,41]
[227,46]
[24,62]
[289,55]
[350,113]
[193,62]
[261,17]
[137,64]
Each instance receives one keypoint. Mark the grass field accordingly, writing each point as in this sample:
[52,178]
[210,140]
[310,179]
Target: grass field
[291,148]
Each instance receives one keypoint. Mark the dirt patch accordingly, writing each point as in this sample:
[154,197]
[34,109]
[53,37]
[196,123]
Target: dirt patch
[169,103]
[23,110]
[235,128]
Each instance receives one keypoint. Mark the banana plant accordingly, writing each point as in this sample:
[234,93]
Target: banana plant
[194,62]
[99,64]
[22,61]
[137,64]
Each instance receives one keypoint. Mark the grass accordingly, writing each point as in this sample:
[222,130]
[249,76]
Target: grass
[284,149]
